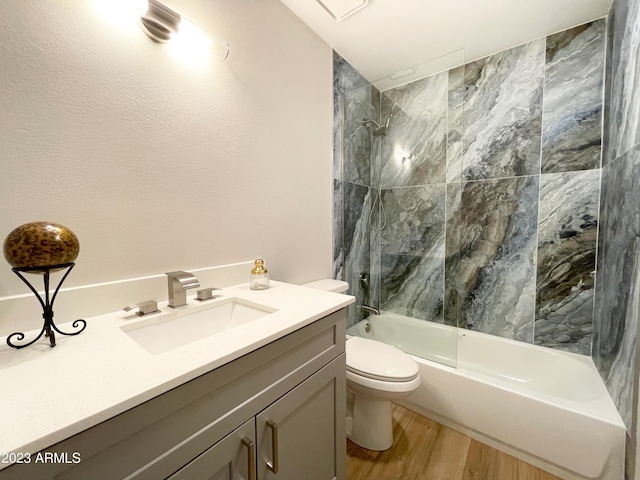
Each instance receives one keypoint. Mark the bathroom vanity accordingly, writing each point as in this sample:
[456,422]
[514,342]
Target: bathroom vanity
[272,411]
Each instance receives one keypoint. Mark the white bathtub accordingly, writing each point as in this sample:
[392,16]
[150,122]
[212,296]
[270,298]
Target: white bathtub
[544,406]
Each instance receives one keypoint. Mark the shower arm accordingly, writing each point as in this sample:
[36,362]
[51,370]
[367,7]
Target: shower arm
[386,124]
[367,121]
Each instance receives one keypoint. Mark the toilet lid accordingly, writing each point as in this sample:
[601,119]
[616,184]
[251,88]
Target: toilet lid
[379,361]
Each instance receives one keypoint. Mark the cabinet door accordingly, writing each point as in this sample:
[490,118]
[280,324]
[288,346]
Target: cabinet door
[302,435]
[232,458]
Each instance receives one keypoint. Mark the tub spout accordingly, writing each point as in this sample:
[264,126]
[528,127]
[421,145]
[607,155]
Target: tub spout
[367,308]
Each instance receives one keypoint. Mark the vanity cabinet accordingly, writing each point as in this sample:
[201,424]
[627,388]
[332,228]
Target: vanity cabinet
[290,439]
[232,458]
[294,437]
[275,413]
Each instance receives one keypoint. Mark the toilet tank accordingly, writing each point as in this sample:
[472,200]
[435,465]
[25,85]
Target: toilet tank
[328,284]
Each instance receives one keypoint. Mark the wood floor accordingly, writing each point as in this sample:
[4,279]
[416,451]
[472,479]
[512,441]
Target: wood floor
[426,450]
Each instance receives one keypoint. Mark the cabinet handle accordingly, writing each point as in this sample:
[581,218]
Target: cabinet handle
[273,464]
[251,458]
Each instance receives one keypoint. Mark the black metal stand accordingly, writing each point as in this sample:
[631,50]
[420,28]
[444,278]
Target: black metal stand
[48,328]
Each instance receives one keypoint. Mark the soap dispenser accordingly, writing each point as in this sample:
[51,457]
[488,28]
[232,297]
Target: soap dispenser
[259,276]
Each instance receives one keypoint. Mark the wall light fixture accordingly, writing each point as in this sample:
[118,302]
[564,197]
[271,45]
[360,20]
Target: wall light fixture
[162,24]
[159,22]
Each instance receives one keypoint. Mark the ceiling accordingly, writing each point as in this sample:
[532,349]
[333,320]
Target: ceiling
[389,36]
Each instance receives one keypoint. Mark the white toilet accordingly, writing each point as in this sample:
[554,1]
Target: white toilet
[376,374]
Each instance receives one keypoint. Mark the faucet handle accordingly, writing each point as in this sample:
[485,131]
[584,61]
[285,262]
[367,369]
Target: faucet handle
[205,293]
[145,308]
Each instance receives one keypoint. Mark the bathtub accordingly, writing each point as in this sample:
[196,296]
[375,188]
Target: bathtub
[546,407]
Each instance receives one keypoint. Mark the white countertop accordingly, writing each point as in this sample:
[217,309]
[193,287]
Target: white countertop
[49,394]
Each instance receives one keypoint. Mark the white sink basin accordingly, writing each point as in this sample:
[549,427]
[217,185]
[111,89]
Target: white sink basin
[161,333]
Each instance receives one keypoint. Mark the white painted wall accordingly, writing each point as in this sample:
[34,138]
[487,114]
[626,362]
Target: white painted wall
[159,165]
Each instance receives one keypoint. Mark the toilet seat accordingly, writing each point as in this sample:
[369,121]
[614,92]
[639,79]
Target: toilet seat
[379,361]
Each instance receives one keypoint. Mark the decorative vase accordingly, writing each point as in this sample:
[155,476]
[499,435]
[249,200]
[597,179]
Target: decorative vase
[42,248]
[41,244]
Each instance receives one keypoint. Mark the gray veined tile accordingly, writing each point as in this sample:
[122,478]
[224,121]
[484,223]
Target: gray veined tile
[374,280]
[567,233]
[414,148]
[611,60]
[357,105]
[618,279]
[338,230]
[502,114]
[498,250]
[356,244]
[415,220]
[455,124]
[572,113]
[356,230]
[345,77]
[453,290]
[412,252]
[484,123]
[337,137]
[623,95]
[412,286]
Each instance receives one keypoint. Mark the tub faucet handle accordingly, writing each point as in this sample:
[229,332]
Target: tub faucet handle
[144,308]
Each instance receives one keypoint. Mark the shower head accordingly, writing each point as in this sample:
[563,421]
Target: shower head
[380,129]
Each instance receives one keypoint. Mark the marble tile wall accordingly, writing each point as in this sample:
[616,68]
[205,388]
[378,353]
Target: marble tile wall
[569,194]
[618,275]
[490,180]
[572,117]
[354,100]
[520,212]
[453,285]
[496,213]
[499,191]
[622,131]
[455,123]
[345,79]
[567,237]
[497,264]
[528,254]
[619,279]
[414,148]
[503,113]
[412,252]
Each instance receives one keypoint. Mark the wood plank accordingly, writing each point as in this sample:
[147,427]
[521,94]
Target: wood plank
[426,450]
[478,462]
[449,455]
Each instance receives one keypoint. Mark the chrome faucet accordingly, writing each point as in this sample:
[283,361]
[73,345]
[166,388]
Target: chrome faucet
[367,308]
[179,282]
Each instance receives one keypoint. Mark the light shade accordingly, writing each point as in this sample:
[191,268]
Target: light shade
[159,22]
[162,24]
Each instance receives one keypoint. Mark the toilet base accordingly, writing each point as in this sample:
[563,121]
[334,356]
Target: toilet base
[371,425]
